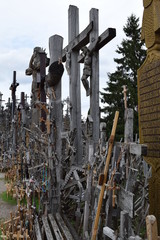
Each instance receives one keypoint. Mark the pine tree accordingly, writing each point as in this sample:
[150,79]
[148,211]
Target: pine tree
[132,54]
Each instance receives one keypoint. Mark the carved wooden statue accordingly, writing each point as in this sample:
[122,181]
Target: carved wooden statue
[34,70]
[87,69]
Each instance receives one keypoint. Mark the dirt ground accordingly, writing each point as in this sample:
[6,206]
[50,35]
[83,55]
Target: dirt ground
[5,208]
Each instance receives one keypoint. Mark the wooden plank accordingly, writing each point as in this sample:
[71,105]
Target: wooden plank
[126,201]
[109,233]
[78,42]
[74,87]
[74,182]
[135,238]
[128,131]
[63,227]
[94,80]
[55,227]
[37,229]
[105,37]
[47,228]
[138,149]
[72,230]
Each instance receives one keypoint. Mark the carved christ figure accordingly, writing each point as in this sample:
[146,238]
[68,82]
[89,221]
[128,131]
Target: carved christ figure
[34,70]
[87,69]
[151,24]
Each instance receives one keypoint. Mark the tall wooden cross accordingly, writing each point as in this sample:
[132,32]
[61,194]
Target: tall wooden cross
[76,41]
[13,87]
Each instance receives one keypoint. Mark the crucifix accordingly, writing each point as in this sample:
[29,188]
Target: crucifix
[13,87]
[37,67]
[90,35]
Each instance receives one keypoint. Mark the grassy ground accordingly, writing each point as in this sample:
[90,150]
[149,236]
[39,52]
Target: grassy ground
[9,200]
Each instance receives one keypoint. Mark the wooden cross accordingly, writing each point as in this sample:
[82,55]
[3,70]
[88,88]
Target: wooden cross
[125,96]
[76,42]
[13,87]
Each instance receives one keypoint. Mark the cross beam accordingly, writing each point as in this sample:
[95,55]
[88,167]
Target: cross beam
[83,39]
[104,38]
[78,42]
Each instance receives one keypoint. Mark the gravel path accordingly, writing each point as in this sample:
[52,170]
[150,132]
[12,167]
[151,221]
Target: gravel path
[5,208]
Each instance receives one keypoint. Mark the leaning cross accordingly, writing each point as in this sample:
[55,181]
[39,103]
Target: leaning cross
[76,42]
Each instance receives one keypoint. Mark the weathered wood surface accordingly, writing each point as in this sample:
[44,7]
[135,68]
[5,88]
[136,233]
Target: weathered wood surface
[55,227]
[135,238]
[151,224]
[88,193]
[74,87]
[55,49]
[126,201]
[104,38]
[94,80]
[63,227]
[47,228]
[78,42]
[109,233]
[72,229]
[128,132]
[138,149]
[37,229]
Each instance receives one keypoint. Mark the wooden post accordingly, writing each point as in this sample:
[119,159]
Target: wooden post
[151,224]
[94,82]
[42,91]
[13,87]
[75,93]
[95,228]
[88,192]
[55,48]
[128,133]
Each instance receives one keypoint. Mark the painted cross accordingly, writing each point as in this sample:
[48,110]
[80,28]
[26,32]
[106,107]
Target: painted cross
[76,42]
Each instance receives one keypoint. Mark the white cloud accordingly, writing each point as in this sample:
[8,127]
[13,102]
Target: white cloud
[26,24]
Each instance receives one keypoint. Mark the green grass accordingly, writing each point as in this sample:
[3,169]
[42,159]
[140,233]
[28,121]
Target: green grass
[9,200]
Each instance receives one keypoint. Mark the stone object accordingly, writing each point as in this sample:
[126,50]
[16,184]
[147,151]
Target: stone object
[149,100]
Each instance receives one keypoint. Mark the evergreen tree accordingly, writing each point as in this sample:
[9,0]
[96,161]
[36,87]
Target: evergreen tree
[132,54]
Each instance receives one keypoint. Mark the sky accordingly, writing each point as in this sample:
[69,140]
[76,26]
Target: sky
[27,24]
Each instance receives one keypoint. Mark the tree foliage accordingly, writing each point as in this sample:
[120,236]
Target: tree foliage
[132,54]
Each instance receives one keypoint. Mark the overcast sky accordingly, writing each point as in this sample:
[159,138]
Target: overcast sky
[26,24]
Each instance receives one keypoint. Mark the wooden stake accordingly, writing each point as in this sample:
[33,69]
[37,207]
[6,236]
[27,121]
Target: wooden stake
[151,224]
[95,228]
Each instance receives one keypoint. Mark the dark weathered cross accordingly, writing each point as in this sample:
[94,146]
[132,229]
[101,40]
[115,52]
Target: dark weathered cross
[13,87]
[90,36]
